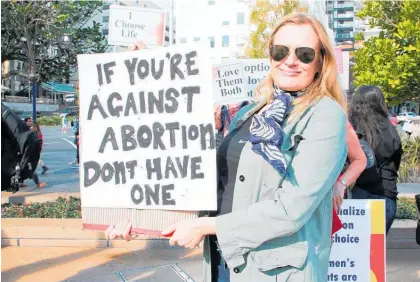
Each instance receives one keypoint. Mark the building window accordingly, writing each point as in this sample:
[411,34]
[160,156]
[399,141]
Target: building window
[225,41]
[196,39]
[212,2]
[211,39]
[105,19]
[105,7]
[183,40]
[225,23]
[240,18]
[19,66]
[105,32]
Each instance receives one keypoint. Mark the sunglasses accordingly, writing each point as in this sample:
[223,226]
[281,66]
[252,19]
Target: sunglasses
[304,54]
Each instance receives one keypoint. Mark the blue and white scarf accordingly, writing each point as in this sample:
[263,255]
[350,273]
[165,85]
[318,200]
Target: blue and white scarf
[266,132]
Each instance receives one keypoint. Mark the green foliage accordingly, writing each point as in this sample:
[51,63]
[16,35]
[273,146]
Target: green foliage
[51,120]
[32,31]
[60,208]
[391,60]
[264,17]
[406,208]
[410,162]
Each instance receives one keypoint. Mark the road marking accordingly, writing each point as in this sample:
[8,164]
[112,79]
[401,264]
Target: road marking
[48,143]
[71,143]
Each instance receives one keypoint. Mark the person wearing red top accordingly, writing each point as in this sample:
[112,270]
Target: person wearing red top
[394,120]
[357,160]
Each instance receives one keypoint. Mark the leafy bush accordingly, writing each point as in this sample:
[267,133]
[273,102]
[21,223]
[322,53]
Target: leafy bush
[49,120]
[409,171]
[406,208]
[60,208]
[71,208]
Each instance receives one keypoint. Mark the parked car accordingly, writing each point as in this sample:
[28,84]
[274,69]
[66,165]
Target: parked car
[405,116]
[69,111]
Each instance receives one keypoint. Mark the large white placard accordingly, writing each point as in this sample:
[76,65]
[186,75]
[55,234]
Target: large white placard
[128,24]
[147,129]
[354,245]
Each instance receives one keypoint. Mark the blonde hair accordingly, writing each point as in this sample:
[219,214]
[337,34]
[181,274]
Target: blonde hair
[326,82]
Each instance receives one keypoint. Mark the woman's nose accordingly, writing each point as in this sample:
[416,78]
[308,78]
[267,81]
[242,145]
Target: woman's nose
[291,59]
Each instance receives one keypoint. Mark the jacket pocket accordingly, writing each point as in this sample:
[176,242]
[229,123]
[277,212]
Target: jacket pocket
[293,255]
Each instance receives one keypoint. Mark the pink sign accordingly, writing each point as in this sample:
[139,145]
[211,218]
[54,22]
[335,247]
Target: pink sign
[338,52]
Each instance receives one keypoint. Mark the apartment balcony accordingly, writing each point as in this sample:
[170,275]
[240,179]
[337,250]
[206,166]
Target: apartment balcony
[344,18]
[340,40]
[344,37]
[344,7]
[341,27]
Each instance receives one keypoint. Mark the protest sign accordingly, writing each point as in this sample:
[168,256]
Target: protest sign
[343,65]
[235,81]
[128,24]
[229,83]
[358,250]
[255,71]
[147,130]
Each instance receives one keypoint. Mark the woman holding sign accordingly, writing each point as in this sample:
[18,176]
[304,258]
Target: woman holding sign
[276,169]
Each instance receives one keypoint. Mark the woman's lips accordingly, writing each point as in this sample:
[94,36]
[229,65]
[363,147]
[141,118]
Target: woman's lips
[289,72]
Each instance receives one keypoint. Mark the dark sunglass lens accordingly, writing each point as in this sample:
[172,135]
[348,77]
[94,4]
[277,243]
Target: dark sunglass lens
[279,52]
[305,54]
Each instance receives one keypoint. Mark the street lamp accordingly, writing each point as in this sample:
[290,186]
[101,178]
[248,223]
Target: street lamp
[33,77]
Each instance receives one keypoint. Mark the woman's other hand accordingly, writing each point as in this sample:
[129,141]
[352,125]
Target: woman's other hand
[120,231]
[338,195]
[139,45]
[190,233]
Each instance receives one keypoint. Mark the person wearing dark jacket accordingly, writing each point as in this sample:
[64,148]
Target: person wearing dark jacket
[369,116]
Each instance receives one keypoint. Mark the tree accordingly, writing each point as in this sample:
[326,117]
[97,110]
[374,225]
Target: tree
[33,32]
[391,60]
[264,17]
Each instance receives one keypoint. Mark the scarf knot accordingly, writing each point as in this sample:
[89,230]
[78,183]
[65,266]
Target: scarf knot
[266,132]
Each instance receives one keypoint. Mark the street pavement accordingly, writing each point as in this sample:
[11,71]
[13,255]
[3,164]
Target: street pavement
[58,152]
[101,265]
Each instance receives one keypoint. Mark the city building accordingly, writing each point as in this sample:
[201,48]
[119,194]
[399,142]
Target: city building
[318,9]
[224,25]
[14,83]
[362,26]
[341,19]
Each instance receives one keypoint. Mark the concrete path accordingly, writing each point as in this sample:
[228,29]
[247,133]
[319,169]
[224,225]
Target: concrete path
[100,265]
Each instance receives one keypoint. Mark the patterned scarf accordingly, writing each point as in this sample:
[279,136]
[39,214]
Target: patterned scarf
[266,132]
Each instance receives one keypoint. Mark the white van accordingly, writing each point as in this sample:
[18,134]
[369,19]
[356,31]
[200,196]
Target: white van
[70,98]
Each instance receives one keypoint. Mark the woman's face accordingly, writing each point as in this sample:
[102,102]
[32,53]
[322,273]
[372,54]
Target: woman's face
[290,73]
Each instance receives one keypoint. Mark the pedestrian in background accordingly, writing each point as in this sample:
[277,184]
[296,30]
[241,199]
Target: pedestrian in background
[28,121]
[36,128]
[64,122]
[76,140]
[369,116]
[394,120]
